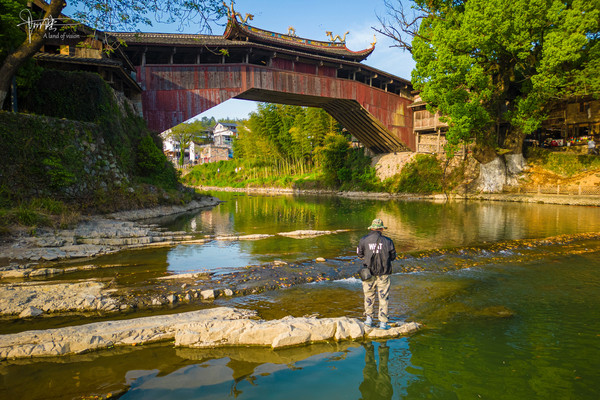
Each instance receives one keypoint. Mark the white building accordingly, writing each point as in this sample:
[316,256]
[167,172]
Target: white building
[198,153]
[223,134]
[172,149]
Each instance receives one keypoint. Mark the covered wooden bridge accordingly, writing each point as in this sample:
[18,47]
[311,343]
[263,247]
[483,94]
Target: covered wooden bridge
[183,75]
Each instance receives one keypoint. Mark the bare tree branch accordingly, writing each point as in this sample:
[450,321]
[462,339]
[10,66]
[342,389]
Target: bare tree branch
[401,25]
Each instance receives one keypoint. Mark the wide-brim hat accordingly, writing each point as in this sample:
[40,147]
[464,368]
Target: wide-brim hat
[377,224]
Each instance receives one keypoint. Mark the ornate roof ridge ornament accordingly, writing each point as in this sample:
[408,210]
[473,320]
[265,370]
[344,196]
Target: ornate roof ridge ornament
[333,39]
[231,13]
[336,45]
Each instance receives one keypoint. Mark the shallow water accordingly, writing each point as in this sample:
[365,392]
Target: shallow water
[413,226]
[504,318]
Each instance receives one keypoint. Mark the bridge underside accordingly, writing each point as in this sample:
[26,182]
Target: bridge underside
[174,93]
[349,113]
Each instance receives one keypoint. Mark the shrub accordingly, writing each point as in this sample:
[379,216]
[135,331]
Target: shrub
[27,216]
[50,205]
[423,175]
[150,160]
[152,165]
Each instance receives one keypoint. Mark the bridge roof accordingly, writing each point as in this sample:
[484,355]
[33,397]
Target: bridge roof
[241,31]
[197,40]
[171,39]
[241,35]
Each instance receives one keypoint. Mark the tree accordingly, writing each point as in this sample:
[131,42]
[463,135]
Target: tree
[333,156]
[492,68]
[98,14]
[184,134]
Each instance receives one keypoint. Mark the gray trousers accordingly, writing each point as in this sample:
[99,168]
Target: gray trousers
[377,286]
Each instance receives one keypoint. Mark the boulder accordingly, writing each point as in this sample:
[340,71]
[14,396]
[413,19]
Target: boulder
[172,298]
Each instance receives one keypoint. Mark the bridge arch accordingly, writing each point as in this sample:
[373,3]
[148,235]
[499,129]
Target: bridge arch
[185,75]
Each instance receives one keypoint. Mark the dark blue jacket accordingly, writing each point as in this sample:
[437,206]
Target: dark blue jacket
[377,252]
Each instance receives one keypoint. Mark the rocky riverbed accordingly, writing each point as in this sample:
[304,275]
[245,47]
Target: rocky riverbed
[35,278]
[95,236]
[29,288]
[24,298]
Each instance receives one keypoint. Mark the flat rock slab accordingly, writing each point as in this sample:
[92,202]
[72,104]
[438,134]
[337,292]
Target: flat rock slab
[214,327]
[57,297]
[285,332]
[309,233]
[107,334]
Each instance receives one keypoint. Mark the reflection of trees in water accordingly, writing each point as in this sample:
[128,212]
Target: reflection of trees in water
[427,225]
[282,213]
[414,225]
[285,213]
[271,215]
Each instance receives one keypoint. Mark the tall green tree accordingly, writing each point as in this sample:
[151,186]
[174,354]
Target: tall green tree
[282,132]
[302,144]
[253,143]
[98,14]
[333,155]
[493,67]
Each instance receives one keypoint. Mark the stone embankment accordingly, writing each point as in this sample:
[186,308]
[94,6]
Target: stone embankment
[206,328]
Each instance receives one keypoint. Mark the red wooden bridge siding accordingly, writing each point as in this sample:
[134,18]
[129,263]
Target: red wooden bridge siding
[174,93]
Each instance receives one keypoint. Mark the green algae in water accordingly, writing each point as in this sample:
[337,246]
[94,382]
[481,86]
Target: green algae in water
[546,348]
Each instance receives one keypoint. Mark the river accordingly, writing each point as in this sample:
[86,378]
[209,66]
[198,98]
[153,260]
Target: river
[506,314]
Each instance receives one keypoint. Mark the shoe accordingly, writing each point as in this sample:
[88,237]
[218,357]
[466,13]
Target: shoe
[369,322]
[384,326]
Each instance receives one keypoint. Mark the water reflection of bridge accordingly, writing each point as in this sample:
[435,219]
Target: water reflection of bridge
[183,75]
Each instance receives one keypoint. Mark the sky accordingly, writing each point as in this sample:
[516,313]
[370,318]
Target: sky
[310,19]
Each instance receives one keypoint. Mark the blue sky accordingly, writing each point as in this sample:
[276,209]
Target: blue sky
[310,19]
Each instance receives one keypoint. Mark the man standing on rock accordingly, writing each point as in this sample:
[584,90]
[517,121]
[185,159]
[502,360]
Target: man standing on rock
[377,252]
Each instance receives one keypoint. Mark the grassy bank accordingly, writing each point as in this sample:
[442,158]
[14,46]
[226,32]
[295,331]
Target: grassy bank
[425,175]
[564,164]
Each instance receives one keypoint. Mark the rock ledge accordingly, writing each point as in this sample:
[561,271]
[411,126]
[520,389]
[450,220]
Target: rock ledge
[214,327]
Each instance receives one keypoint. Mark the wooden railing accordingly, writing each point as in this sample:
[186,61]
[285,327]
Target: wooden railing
[423,119]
